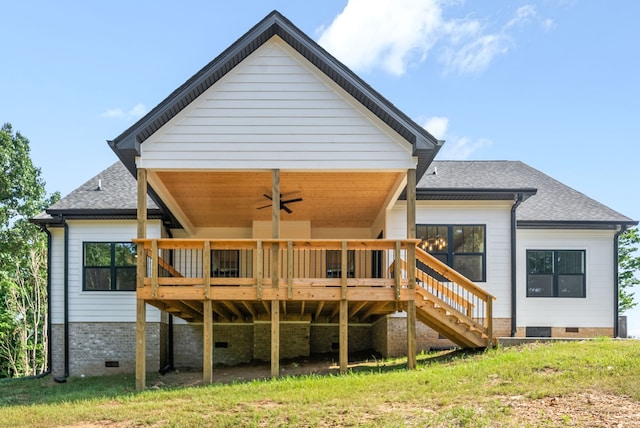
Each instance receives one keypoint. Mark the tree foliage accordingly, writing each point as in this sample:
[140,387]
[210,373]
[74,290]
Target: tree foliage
[628,268]
[23,314]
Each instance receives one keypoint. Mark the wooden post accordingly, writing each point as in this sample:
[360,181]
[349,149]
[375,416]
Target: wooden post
[344,312]
[207,352]
[411,269]
[344,336]
[275,256]
[489,322]
[207,317]
[154,269]
[141,272]
[259,269]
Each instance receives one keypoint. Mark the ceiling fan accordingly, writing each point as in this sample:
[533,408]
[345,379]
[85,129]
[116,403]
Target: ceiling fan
[283,203]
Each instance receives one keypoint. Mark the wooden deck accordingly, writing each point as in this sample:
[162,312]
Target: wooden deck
[328,281]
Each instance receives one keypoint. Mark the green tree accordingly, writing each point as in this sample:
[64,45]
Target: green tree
[628,267]
[23,314]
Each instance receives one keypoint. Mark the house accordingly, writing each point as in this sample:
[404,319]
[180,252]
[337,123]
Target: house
[276,206]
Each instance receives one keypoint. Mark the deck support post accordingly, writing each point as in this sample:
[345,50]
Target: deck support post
[207,317]
[275,256]
[344,312]
[207,354]
[141,271]
[411,269]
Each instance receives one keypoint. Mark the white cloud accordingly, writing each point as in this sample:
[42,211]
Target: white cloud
[136,112]
[548,24]
[394,35]
[462,148]
[389,34]
[458,148]
[437,126]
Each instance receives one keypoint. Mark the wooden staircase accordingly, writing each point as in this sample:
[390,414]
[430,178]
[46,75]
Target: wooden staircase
[451,304]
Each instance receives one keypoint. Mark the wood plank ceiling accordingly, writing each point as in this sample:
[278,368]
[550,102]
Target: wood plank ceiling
[233,199]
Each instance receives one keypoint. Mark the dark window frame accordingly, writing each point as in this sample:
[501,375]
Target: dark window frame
[556,274]
[113,268]
[448,255]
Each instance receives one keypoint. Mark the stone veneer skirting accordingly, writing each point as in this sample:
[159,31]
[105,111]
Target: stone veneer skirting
[108,348]
[103,348]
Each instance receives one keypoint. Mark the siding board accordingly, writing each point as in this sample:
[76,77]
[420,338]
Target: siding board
[274,110]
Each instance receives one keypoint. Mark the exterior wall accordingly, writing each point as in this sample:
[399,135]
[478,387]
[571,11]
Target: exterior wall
[108,307]
[496,216]
[590,314]
[91,345]
[275,102]
[233,344]
[294,340]
[93,306]
[573,332]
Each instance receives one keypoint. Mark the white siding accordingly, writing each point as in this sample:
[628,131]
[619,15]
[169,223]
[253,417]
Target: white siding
[496,216]
[596,309]
[56,273]
[93,306]
[275,110]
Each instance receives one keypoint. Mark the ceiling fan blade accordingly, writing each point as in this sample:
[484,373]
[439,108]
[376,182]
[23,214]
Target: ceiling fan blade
[267,196]
[287,210]
[292,200]
[266,206]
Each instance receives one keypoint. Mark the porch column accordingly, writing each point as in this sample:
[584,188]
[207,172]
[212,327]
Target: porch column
[275,255]
[141,271]
[411,269]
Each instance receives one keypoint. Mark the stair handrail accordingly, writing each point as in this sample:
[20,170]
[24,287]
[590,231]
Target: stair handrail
[456,277]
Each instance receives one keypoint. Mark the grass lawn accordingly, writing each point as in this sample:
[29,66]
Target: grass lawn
[584,384]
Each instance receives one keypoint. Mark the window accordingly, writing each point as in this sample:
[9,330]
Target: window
[460,246]
[109,266]
[556,273]
[334,263]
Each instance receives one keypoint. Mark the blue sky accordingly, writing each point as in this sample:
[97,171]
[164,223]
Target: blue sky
[554,83]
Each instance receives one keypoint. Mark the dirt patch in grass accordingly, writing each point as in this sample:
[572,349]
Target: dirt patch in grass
[586,409]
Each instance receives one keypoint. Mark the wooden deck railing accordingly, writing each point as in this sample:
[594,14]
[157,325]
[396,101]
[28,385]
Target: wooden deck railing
[363,270]
[263,265]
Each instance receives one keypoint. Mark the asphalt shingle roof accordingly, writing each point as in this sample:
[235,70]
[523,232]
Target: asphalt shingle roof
[118,191]
[553,202]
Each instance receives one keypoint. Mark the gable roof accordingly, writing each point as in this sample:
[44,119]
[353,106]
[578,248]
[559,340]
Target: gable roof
[127,145]
[547,203]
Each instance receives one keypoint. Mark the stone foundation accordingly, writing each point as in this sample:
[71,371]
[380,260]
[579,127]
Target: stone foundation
[572,332]
[105,348]
[97,349]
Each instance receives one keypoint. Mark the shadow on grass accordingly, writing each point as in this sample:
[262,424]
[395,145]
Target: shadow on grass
[46,391]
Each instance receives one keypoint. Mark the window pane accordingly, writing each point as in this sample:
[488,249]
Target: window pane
[125,254]
[97,254]
[539,262]
[570,262]
[226,263]
[434,239]
[469,266]
[540,286]
[126,279]
[97,278]
[570,286]
[468,239]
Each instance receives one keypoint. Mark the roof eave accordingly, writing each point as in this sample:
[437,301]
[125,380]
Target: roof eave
[568,224]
